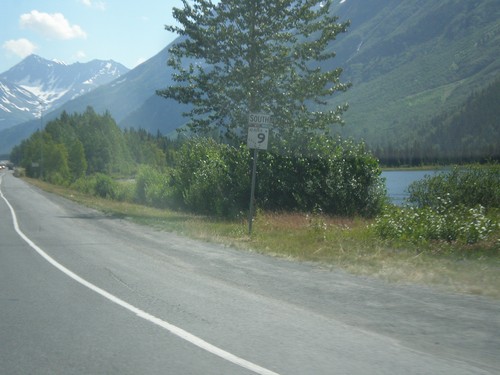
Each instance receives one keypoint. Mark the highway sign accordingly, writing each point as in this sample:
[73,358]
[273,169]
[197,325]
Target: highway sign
[257,137]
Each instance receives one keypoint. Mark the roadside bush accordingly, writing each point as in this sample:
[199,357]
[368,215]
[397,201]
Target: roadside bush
[125,191]
[105,186]
[212,178]
[450,206]
[444,221]
[100,185]
[469,186]
[340,177]
[154,188]
[19,172]
[57,178]
[337,177]
[85,185]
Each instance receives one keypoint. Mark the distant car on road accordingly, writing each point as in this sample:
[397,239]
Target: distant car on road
[6,165]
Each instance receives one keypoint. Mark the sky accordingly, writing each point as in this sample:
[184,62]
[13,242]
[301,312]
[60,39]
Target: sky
[126,31]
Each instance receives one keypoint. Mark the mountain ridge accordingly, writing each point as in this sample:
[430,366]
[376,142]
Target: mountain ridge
[51,84]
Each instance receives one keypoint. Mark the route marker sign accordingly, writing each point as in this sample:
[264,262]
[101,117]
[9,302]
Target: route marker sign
[257,138]
[258,130]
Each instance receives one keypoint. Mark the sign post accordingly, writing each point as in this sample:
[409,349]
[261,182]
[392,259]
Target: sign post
[258,134]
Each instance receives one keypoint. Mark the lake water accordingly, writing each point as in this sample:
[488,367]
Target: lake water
[397,183]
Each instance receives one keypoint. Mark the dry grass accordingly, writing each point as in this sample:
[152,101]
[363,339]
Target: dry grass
[347,243]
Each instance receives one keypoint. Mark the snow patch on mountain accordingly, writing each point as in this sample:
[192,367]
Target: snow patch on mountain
[16,103]
[46,96]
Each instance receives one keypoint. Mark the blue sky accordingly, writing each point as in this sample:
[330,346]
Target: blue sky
[127,31]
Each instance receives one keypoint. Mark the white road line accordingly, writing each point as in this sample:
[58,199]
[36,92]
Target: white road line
[140,313]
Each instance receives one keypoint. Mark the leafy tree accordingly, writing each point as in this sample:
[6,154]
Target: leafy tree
[144,148]
[103,142]
[29,154]
[55,163]
[237,57]
[76,159]
[62,129]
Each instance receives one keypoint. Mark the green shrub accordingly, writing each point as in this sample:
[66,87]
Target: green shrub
[125,191]
[340,177]
[56,178]
[154,188]
[337,177]
[19,172]
[469,186]
[105,186]
[212,178]
[100,185]
[444,221]
[85,185]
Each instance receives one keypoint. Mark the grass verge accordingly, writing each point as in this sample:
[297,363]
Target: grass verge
[346,243]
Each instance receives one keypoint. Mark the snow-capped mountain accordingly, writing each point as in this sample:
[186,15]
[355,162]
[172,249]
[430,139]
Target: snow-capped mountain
[36,86]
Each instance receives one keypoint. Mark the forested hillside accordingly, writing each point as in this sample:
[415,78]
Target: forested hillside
[468,134]
[414,64]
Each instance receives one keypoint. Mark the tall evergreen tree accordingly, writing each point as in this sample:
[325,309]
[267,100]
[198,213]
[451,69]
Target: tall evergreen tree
[237,57]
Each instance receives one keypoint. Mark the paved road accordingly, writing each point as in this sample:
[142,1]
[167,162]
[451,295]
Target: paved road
[83,293]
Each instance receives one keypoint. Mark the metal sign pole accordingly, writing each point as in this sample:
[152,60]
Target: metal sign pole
[258,133]
[252,193]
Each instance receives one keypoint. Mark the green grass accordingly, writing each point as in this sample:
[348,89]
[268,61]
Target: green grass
[347,243]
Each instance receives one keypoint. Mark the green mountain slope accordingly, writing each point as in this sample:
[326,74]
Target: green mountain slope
[415,60]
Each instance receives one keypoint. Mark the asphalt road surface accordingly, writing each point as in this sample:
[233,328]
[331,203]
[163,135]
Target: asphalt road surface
[84,293]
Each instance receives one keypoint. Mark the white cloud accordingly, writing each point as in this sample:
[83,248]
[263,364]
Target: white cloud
[101,5]
[51,25]
[20,47]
